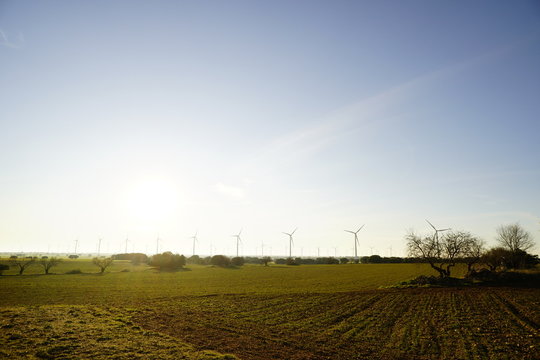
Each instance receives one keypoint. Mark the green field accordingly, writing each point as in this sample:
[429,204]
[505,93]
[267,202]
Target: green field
[257,312]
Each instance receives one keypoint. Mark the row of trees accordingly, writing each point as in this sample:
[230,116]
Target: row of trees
[444,252]
[22,264]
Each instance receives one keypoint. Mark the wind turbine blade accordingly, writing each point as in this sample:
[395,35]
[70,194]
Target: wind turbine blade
[287,234]
[294,231]
[349,231]
[361,227]
[445,229]
[431,225]
[240,231]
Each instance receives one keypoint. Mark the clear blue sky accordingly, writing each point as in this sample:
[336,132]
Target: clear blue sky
[162,118]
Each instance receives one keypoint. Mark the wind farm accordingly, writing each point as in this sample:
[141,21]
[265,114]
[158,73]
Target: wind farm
[269,180]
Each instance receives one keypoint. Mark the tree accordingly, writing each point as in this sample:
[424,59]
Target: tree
[194,259]
[3,267]
[495,258]
[265,260]
[167,261]
[473,253]
[442,252]
[22,264]
[513,237]
[102,263]
[48,264]
[237,261]
[220,260]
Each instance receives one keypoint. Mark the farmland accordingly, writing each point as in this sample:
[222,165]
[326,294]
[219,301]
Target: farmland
[257,312]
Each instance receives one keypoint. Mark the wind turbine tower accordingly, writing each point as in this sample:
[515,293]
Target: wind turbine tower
[157,244]
[238,241]
[76,245]
[356,244]
[194,237]
[290,241]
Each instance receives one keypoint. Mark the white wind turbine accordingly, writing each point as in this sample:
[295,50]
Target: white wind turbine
[290,241]
[437,231]
[194,237]
[356,243]
[238,241]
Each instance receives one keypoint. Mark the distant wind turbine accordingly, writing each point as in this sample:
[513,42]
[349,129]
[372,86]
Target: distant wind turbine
[238,241]
[437,231]
[194,237]
[157,244]
[290,241]
[76,245]
[356,244]
[99,247]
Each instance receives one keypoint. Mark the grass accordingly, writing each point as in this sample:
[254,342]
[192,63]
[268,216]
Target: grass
[257,312]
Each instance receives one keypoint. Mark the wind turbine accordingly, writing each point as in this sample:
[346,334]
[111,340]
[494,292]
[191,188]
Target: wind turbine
[76,245]
[99,247]
[157,244]
[437,231]
[194,237]
[356,244]
[127,239]
[238,241]
[290,241]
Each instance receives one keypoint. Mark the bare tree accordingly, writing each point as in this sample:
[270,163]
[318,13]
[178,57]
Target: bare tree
[473,253]
[102,263]
[49,263]
[22,264]
[514,237]
[443,252]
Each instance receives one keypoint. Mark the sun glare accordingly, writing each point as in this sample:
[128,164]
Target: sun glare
[152,200]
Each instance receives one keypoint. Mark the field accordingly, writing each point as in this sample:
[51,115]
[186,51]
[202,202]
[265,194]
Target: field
[257,312]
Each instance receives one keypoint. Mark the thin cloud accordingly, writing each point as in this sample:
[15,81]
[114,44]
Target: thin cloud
[371,112]
[4,40]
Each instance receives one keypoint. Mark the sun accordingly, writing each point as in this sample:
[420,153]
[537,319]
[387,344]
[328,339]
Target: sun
[152,200]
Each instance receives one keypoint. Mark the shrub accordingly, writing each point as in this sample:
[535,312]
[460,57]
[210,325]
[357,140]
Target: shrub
[167,261]
[220,260]
[74,271]
[194,259]
[291,261]
[237,261]
[501,259]
[3,267]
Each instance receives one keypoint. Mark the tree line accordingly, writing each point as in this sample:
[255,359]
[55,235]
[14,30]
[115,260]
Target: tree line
[453,247]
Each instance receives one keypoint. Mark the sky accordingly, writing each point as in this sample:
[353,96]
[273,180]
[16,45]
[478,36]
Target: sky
[146,120]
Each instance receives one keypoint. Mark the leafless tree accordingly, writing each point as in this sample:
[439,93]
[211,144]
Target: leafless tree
[22,264]
[443,252]
[49,263]
[102,263]
[514,237]
[473,253]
